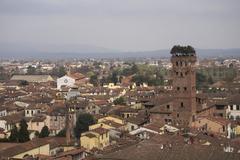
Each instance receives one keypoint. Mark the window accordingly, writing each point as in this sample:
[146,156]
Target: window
[177,73]
[231,107]
[27,111]
[178,115]
[168,106]
[37,124]
[185,88]
[178,88]
[238,107]
[181,104]
[177,63]
[181,74]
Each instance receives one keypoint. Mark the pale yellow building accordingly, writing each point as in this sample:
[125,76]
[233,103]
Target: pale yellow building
[96,138]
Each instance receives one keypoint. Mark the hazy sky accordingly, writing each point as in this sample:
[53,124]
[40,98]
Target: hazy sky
[126,25]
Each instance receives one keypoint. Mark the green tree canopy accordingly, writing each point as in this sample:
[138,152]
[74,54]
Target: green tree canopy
[31,70]
[119,101]
[23,83]
[182,49]
[61,133]
[94,80]
[44,132]
[59,71]
[23,134]
[14,134]
[82,124]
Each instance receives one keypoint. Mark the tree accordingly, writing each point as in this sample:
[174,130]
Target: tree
[200,80]
[94,80]
[44,132]
[23,83]
[14,134]
[23,134]
[37,134]
[119,101]
[83,122]
[114,77]
[62,133]
[210,80]
[58,71]
[31,70]
[182,49]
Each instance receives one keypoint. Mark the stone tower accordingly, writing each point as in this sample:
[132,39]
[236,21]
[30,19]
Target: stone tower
[183,61]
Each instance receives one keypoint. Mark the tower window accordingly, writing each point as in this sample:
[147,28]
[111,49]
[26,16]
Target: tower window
[181,74]
[177,63]
[178,115]
[185,88]
[168,106]
[186,73]
[177,73]
[181,104]
[178,88]
[181,63]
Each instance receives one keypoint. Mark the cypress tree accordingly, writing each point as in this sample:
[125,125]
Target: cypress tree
[44,132]
[14,134]
[23,134]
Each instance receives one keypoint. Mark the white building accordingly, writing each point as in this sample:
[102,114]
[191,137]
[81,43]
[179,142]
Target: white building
[233,109]
[65,81]
[3,112]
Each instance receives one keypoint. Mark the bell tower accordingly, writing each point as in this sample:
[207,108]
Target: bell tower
[183,61]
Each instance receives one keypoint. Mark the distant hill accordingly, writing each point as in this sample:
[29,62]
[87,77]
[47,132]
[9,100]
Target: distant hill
[86,51]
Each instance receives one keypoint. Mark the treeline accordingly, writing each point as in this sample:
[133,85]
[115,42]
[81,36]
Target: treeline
[152,75]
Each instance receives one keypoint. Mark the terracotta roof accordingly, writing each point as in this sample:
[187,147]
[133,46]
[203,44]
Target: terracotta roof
[33,78]
[99,130]
[14,118]
[76,76]
[21,147]
[152,149]
[89,135]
